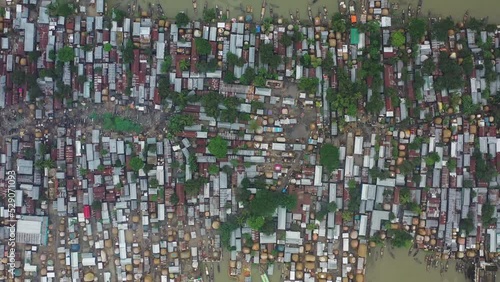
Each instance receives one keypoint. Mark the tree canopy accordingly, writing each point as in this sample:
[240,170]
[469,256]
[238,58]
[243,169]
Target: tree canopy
[211,103]
[203,47]
[192,187]
[66,54]
[267,55]
[441,27]
[218,147]
[309,84]
[432,158]
[346,97]
[484,171]
[177,122]
[452,77]
[330,157]
[209,15]
[397,39]
[116,123]
[416,29]
[182,19]
[487,212]
[136,163]
[339,23]
[401,239]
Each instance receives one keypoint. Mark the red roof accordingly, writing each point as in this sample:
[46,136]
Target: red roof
[86,212]
[179,190]
[389,76]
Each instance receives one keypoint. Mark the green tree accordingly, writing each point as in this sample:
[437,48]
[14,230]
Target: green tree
[452,77]
[203,47]
[330,157]
[167,64]
[193,187]
[107,47]
[375,104]
[136,164]
[468,107]
[218,147]
[61,8]
[401,239]
[229,77]
[184,65]
[66,54]
[267,55]
[339,23]
[452,164]
[153,182]
[128,52]
[18,77]
[286,40]
[34,55]
[209,15]
[467,224]
[441,27]
[468,65]
[211,103]
[213,169]
[484,171]
[182,19]
[177,122]
[101,167]
[428,67]
[96,205]
[397,39]
[487,212]
[174,199]
[309,84]
[416,29]
[327,64]
[256,222]
[432,158]
[248,76]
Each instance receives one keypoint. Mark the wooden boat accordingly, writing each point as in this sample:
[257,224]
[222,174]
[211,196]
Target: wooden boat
[466,16]
[217,10]
[382,252]
[310,13]
[205,6]
[409,11]
[271,11]
[325,15]
[419,7]
[297,15]
[291,17]
[195,7]
[263,10]
[227,13]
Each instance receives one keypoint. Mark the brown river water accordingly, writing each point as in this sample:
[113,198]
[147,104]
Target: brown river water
[454,8]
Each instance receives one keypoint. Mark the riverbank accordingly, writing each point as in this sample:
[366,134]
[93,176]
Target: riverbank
[223,275]
[454,8]
[407,268]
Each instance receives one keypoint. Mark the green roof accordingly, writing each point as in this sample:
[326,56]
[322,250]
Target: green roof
[354,36]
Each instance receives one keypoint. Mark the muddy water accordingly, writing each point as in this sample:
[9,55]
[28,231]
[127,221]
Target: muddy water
[404,268]
[455,8]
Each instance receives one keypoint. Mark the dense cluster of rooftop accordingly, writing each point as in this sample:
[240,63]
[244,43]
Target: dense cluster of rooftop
[308,145]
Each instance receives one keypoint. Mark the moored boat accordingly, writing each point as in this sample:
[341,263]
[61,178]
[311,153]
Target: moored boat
[263,10]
